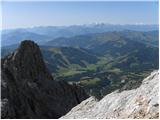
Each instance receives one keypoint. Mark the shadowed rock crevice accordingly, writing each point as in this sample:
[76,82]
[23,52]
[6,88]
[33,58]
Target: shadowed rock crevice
[28,89]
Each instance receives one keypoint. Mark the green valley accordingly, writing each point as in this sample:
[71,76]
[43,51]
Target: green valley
[102,62]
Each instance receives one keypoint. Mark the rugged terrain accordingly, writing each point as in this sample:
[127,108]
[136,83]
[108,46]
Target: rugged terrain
[101,62]
[137,103]
[28,89]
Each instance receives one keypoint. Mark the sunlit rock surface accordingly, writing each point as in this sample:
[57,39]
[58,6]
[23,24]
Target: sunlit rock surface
[137,103]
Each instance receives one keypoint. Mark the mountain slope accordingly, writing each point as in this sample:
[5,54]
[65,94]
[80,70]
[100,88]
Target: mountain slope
[98,61]
[138,103]
[100,73]
[28,89]
[16,36]
[138,59]
[96,39]
[42,34]
[64,57]
[120,58]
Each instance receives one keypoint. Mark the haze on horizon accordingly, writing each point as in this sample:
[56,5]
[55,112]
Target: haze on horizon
[30,14]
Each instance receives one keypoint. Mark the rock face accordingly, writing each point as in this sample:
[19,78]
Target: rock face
[137,103]
[28,89]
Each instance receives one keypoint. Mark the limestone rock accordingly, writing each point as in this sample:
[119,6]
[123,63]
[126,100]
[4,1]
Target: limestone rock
[137,103]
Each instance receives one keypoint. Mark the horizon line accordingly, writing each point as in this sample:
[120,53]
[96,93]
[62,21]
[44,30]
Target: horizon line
[136,24]
[79,0]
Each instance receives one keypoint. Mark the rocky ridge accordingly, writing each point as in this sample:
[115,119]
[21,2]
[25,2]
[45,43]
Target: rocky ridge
[137,103]
[28,89]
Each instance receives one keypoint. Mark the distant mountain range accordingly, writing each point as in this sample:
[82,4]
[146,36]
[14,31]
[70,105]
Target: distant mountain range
[96,39]
[101,62]
[44,34]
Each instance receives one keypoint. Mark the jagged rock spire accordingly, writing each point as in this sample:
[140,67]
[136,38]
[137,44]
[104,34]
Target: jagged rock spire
[28,89]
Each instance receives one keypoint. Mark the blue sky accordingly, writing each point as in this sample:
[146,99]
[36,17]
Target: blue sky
[29,14]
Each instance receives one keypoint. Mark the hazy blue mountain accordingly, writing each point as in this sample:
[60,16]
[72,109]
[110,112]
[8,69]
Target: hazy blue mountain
[149,37]
[42,34]
[17,36]
[7,49]
[68,31]
[98,39]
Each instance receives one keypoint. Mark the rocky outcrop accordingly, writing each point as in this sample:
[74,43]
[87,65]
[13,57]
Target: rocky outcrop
[137,103]
[28,89]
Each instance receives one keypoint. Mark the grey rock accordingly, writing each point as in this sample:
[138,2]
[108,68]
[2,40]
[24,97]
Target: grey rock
[28,89]
[138,103]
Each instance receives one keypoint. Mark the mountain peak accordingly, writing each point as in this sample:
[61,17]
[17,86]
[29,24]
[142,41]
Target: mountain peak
[27,62]
[28,89]
[28,43]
